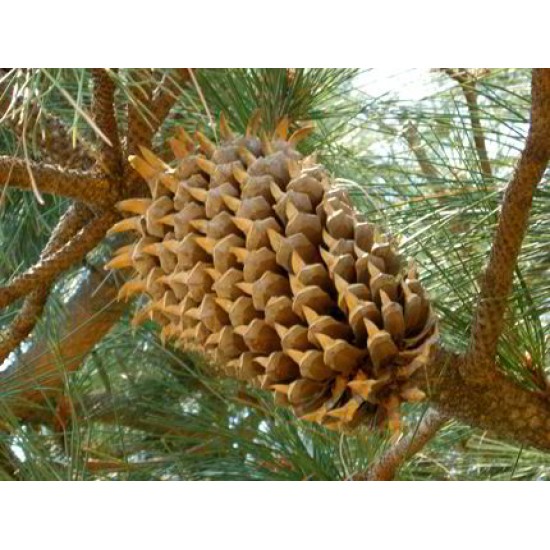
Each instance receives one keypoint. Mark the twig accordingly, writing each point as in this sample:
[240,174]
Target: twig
[47,269]
[69,224]
[496,283]
[429,171]
[385,468]
[140,130]
[167,95]
[103,109]
[467,83]
[24,322]
[74,184]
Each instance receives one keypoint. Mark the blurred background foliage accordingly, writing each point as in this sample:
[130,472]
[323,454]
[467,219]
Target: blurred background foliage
[402,142]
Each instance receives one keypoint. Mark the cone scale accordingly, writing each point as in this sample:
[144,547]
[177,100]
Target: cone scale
[249,253]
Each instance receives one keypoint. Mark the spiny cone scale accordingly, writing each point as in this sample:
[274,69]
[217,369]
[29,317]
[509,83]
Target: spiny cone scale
[249,253]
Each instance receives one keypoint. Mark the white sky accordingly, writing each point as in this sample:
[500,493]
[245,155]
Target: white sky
[405,83]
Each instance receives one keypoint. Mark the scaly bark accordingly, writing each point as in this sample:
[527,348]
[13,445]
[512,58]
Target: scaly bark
[103,108]
[167,94]
[74,184]
[386,466]
[69,224]
[140,130]
[500,405]
[497,279]
[46,270]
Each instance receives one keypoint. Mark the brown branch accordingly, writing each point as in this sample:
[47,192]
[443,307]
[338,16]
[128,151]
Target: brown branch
[103,108]
[467,83]
[501,406]
[140,131]
[167,95]
[144,123]
[413,140]
[496,283]
[46,270]
[8,460]
[74,184]
[69,224]
[24,322]
[41,371]
[386,467]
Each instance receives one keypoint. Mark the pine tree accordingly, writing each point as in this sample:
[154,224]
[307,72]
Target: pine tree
[89,394]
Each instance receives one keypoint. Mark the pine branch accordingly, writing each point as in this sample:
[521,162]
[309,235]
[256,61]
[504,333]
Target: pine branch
[500,406]
[496,283]
[144,122]
[467,83]
[140,131]
[386,467]
[40,372]
[9,462]
[69,224]
[24,322]
[74,184]
[429,171]
[103,108]
[47,269]
[167,95]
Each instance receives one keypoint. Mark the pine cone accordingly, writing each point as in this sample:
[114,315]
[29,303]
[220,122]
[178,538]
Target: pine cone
[249,253]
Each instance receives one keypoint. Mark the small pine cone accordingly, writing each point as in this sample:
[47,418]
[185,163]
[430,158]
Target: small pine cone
[249,253]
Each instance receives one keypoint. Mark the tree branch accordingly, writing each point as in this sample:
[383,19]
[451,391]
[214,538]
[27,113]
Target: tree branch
[143,125]
[24,322]
[496,283]
[103,108]
[386,467]
[140,130]
[46,270]
[429,171]
[41,370]
[467,83]
[167,95]
[69,224]
[501,406]
[74,184]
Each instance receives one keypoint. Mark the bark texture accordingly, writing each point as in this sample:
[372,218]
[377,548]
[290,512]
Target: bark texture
[73,184]
[46,270]
[386,467]
[497,279]
[105,118]
[69,224]
[500,405]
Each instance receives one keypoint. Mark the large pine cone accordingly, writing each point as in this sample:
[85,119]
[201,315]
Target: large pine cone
[249,253]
